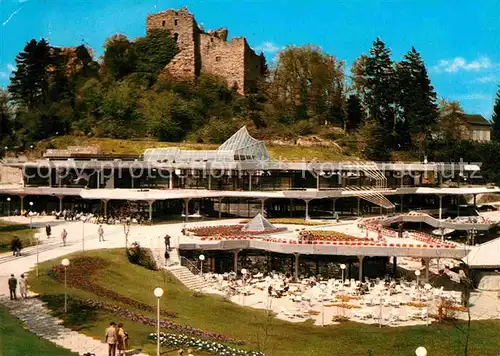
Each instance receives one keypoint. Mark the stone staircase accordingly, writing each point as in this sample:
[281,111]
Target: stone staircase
[187,278]
[191,280]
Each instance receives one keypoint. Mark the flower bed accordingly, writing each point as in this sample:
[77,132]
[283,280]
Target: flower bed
[228,231]
[80,274]
[179,340]
[330,236]
[415,304]
[165,324]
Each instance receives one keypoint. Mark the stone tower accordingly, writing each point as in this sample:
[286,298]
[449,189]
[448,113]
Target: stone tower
[209,51]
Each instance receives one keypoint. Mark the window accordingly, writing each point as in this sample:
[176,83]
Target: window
[175,22]
[212,39]
[163,23]
[217,59]
[176,36]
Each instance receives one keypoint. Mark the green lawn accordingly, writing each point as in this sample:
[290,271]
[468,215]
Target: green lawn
[212,313]
[15,340]
[119,146]
[7,232]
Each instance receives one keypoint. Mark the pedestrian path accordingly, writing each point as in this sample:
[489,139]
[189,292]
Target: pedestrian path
[38,320]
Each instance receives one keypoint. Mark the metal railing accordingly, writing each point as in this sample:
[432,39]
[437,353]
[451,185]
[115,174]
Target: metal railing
[189,265]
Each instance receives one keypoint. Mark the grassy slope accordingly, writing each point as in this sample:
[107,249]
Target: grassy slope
[108,145]
[213,314]
[15,340]
[7,232]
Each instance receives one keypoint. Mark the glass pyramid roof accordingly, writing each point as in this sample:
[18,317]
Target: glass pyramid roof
[245,147]
[259,223]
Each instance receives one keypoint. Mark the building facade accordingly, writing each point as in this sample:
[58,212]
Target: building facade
[233,60]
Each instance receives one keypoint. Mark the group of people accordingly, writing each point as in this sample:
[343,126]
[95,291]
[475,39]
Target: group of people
[23,287]
[117,339]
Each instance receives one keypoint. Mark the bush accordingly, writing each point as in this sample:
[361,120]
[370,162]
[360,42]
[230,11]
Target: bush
[141,256]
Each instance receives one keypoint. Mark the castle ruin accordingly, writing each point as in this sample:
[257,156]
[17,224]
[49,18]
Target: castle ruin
[210,51]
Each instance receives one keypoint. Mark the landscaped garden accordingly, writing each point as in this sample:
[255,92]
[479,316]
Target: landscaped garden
[15,340]
[104,286]
[9,230]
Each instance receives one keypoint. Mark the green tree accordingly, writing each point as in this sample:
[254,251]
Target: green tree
[308,84]
[451,126]
[495,118]
[154,51]
[5,120]
[29,85]
[120,58]
[354,113]
[416,101]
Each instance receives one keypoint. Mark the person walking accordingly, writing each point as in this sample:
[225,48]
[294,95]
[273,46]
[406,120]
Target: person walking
[100,232]
[121,340]
[12,287]
[167,242]
[48,230]
[23,286]
[16,246]
[64,234]
[111,338]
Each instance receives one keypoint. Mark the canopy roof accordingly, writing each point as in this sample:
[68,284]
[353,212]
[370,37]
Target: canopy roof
[245,147]
[239,147]
[258,223]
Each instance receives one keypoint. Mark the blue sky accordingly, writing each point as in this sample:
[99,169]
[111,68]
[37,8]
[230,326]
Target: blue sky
[459,40]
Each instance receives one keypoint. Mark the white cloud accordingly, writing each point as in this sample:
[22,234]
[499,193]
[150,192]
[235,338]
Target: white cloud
[268,47]
[487,79]
[11,16]
[472,96]
[459,63]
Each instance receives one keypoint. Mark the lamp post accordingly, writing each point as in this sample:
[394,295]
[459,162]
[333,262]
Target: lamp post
[244,273]
[201,258]
[65,264]
[37,237]
[417,273]
[342,267]
[83,235]
[427,288]
[421,351]
[8,206]
[322,286]
[31,216]
[158,292]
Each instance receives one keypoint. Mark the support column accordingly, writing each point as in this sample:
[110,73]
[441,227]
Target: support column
[361,258]
[262,206]
[250,181]
[105,202]
[458,205]
[60,202]
[235,260]
[440,207]
[209,180]
[394,266]
[427,261]
[296,270]
[21,197]
[171,180]
[291,207]
[334,200]
[186,209]
[150,203]
[401,196]
[317,180]
[359,205]
[474,195]
[307,208]
[220,208]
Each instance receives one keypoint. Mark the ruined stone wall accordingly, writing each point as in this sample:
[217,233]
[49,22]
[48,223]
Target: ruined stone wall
[182,26]
[254,68]
[224,59]
[10,175]
[234,61]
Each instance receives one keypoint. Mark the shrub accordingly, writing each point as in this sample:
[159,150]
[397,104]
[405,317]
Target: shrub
[141,256]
